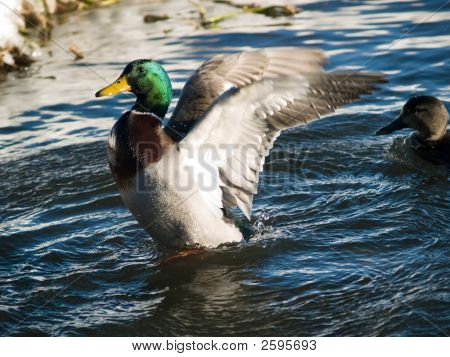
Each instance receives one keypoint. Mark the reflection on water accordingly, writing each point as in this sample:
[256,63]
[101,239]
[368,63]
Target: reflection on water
[352,234]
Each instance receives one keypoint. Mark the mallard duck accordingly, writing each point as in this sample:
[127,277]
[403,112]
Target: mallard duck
[429,117]
[181,180]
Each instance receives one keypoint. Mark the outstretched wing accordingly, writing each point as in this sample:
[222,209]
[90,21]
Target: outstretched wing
[237,132]
[221,73]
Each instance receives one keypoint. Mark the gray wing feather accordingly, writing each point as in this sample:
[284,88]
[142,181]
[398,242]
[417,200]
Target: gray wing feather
[328,91]
[252,117]
[222,72]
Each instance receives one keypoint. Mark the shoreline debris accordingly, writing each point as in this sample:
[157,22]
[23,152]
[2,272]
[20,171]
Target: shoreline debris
[73,48]
[27,24]
[270,10]
[149,18]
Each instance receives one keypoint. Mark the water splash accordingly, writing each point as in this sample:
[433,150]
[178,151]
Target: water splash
[261,224]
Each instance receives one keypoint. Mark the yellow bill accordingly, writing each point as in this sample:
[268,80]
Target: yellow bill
[120,85]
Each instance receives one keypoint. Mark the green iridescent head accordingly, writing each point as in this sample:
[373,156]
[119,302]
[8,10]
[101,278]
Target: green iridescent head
[150,83]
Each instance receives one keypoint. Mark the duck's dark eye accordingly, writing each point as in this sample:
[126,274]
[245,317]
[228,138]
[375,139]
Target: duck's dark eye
[141,70]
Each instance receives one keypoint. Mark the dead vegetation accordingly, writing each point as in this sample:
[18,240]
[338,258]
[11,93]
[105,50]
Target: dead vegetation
[206,21]
[39,18]
[35,29]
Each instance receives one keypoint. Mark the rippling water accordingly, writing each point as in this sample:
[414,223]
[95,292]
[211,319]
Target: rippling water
[353,229]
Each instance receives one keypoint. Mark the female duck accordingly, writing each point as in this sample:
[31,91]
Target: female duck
[179,180]
[428,116]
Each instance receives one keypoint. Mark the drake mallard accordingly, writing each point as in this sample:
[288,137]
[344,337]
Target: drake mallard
[429,117]
[181,179]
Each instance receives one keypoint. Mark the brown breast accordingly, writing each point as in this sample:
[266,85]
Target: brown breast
[135,141]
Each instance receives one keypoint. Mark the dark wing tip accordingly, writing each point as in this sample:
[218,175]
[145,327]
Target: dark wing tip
[362,82]
[369,77]
[376,77]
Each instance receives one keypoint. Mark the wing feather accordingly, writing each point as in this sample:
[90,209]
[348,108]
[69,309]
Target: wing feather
[242,125]
[222,72]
